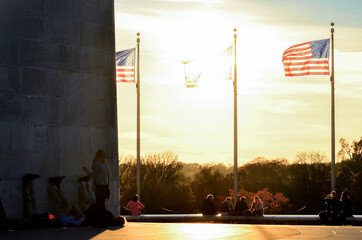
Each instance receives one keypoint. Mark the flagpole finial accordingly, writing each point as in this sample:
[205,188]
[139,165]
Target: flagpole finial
[332,24]
[332,29]
[235,32]
[138,34]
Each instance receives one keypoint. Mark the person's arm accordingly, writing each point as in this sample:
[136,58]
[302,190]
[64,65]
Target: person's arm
[89,173]
[252,206]
[95,170]
[140,205]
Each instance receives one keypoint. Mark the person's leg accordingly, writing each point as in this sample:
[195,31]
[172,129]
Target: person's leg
[64,207]
[3,218]
[55,201]
[323,216]
[100,208]
[27,196]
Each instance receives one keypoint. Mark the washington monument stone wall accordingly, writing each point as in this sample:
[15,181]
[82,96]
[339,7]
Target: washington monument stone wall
[57,95]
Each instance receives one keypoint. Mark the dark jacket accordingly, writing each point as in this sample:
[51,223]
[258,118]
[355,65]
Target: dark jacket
[346,207]
[333,205]
[240,207]
[208,207]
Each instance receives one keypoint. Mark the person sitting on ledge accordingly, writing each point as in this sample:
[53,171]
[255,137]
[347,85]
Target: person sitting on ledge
[241,207]
[346,207]
[135,206]
[208,207]
[330,215]
[226,207]
[257,207]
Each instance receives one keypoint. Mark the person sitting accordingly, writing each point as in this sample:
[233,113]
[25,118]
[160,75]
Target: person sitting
[135,206]
[346,206]
[257,207]
[226,206]
[330,215]
[208,207]
[241,208]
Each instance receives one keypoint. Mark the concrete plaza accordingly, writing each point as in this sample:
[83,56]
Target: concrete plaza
[182,231]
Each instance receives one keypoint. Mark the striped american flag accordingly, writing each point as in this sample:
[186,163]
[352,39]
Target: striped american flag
[125,65]
[310,58]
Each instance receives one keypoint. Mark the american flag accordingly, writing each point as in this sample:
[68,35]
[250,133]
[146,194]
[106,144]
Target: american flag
[310,58]
[125,65]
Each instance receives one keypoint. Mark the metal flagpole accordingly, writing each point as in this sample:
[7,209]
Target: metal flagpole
[235,126]
[333,173]
[138,119]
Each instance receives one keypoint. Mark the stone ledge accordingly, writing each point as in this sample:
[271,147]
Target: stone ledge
[266,219]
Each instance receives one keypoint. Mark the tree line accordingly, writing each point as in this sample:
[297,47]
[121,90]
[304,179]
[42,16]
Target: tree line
[285,187]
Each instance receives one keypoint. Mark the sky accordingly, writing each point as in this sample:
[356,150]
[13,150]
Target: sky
[278,116]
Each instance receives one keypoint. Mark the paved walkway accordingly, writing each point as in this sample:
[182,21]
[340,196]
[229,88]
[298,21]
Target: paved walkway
[184,231]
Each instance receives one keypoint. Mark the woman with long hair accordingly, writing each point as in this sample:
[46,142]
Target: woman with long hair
[257,207]
[100,175]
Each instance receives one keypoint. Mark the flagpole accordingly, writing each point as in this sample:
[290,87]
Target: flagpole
[138,119]
[333,173]
[235,126]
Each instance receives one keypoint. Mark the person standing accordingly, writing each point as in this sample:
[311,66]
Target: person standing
[100,175]
[135,206]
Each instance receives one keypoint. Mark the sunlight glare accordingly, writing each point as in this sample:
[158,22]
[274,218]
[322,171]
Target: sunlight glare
[208,231]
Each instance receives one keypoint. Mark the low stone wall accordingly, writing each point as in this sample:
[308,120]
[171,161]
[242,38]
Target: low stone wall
[266,219]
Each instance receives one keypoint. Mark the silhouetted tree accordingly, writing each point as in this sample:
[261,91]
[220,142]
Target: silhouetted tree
[163,187]
[310,181]
[349,171]
[206,181]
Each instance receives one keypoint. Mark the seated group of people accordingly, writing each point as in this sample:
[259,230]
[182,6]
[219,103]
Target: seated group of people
[336,209]
[226,207]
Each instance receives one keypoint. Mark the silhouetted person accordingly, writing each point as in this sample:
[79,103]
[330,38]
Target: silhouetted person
[100,175]
[330,215]
[226,206]
[241,207]
[208,207]
[346,206]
